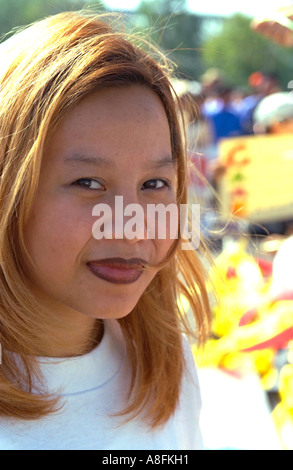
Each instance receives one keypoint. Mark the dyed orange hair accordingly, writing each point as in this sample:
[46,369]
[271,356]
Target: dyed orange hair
[46,68]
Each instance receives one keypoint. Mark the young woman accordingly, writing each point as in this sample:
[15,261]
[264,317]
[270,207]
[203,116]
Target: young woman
[94,354]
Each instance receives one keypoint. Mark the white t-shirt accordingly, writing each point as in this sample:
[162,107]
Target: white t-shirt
[93,387]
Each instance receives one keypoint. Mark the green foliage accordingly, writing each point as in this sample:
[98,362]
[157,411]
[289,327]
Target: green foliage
[15,13]
[179,37]
[239,51]
[176,32]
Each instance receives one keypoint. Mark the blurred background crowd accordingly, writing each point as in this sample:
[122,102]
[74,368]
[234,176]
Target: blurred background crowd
[234,77]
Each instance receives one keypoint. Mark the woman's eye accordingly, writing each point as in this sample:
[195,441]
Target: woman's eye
[89,183]
[155,183]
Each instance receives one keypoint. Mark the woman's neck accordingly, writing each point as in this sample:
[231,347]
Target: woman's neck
[71,339]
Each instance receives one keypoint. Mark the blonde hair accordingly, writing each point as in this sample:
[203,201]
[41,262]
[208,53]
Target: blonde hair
[46,68]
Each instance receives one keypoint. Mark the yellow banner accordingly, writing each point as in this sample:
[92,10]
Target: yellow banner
[258,181]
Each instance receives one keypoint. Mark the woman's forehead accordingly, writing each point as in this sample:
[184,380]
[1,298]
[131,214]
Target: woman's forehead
[109,124]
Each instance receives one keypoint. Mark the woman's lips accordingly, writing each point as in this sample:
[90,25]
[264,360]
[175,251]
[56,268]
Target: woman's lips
[117,270]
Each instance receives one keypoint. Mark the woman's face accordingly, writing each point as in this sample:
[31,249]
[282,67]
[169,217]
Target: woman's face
[116,142]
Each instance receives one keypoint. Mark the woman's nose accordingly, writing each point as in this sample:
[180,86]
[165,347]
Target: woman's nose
[134,220]
[121,220]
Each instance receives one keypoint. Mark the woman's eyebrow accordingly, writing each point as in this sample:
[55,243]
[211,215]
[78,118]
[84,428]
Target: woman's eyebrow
[88,160]
[101,161]
[162,162]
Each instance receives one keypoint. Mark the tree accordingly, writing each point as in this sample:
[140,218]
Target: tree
[176,32]
[239,51]
[15,13]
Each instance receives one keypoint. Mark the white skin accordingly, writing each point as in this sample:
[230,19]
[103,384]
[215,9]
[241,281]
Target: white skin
[123,137]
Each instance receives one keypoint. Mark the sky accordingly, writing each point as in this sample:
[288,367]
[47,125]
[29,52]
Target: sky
[250,8]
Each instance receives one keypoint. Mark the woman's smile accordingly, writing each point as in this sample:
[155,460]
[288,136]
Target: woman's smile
[117,270]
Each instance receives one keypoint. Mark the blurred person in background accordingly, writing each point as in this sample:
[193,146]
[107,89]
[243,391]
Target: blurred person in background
[217,107]
[220,112]
[274,114]
[224,120]
[262,84]
[211,82]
